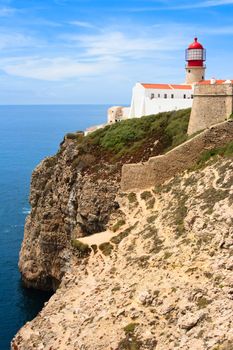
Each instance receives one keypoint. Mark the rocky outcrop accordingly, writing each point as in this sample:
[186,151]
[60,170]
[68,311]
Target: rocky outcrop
[163,280]
[67,202]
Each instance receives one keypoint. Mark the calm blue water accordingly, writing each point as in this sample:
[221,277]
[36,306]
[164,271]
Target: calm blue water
[27,135]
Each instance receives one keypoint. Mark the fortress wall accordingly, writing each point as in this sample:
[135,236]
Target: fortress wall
[212,104]
[161,168]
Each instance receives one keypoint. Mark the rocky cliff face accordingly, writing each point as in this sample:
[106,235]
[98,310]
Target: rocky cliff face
[67,202]
[162,280]
[73,194]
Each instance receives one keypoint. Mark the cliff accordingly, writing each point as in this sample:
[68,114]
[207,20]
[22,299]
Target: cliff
[73,193]
[145,270]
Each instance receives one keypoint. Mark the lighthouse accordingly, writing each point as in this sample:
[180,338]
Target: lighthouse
[195,58]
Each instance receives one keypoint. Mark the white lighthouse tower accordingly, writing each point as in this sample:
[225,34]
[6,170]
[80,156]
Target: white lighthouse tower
[195,68]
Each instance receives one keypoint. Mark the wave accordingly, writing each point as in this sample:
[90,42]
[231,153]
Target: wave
[26,211]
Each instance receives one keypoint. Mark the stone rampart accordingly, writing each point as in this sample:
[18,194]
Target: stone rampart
[161,168]
[212,104]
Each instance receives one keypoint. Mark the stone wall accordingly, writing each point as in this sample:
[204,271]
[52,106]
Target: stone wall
[161,168]
[212,104]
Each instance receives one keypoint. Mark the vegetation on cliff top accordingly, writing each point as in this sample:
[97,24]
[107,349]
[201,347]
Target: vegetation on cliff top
[213,154]
[136,139]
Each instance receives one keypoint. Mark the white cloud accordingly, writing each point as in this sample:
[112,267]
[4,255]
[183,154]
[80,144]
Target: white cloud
[82,24]
[118,44]
[53,69]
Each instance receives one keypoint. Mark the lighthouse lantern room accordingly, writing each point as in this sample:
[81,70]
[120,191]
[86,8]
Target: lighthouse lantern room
[195,57]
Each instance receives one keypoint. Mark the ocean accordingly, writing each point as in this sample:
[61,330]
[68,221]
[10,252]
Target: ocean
[27,135]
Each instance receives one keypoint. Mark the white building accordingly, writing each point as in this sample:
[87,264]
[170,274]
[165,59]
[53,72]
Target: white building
[155,98]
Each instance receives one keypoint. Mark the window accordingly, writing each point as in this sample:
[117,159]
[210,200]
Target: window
[189,71]
[152,96]
[172,96]
[158,95]
[165,95]
[184,96]
[191,96]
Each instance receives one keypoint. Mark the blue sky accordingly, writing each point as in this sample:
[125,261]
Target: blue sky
[87,51]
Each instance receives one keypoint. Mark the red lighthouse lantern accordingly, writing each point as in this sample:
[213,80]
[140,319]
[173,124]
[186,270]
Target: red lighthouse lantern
[195,56]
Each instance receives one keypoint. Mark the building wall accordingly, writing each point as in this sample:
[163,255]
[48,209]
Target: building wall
[212,104]
[161,168]
[117,113]
[144,104]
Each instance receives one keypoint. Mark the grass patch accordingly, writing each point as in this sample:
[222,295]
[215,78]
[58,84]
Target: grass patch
[94,248]
[179,216]
[118,225]
[106,248]
[151,234]
[211,196]
[130,342]
[146,195]
[82,248]
[203,302]
[167,255]
[132,197]
[130,328]
[117,239]
[78,135]
[150,204]
[130,135]
[214,154]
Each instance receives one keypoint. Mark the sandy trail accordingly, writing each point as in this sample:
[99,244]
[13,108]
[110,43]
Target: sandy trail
[98,238]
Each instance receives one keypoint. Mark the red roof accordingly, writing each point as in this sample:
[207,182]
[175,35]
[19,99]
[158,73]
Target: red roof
[207,82]
[181,87]
[157,86]
[167,86]
[195,45]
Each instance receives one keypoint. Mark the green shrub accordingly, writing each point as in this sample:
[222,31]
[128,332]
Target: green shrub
[150,204]
[50,161]
[203,302]
[106,248]
[146,195]
[129,135]
[118,225]
[82,248]
[71,136]
[94,248]
[167,255]
[132,197]
[117,239]
[179,216]
[130,342]
[225,151]
[130,328]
